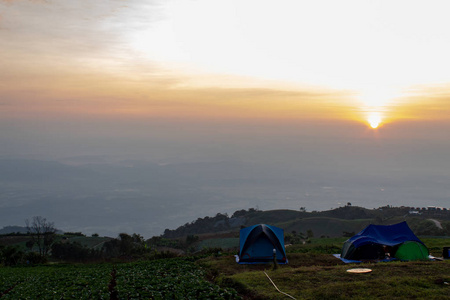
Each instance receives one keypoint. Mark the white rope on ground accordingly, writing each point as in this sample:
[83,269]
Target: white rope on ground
[277,288]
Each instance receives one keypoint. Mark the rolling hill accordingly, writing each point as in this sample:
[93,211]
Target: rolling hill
[338,222]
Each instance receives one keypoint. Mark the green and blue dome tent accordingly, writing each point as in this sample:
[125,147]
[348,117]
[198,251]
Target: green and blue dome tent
[259,243]
[381,242]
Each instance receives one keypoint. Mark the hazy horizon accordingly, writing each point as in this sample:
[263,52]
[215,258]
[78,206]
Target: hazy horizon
[278,105]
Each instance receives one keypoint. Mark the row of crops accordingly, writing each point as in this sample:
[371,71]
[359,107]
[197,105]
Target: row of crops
[160,279]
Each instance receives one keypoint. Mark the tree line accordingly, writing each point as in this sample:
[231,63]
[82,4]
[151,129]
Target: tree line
[44,244]
[220,222]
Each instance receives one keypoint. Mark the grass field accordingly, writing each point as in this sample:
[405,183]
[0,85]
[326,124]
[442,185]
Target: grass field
[321,276]
[313,273]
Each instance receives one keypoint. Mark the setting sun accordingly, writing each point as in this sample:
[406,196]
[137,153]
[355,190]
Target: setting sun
[374,119]
[376,103]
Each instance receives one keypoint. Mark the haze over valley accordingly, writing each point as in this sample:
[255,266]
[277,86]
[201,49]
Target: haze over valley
[137,116]
[108,194]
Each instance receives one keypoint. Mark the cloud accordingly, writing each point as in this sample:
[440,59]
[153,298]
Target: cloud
[80,33]
[425,102]
[34,1]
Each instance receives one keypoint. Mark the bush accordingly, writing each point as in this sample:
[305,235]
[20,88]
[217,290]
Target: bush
[34,258]
[73,252]
[11,256]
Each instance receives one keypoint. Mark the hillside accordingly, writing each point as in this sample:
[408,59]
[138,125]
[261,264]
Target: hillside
[222,231]
[343,221]
[13,229]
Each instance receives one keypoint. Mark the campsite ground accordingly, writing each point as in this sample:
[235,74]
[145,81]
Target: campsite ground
[313,274]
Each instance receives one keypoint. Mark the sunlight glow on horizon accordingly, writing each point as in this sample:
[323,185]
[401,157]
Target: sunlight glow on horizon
[377,66]
[376,101]
[374,119]
[193,59]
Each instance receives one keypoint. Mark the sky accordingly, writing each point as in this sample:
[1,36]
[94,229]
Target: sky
[346,60]
[354,84]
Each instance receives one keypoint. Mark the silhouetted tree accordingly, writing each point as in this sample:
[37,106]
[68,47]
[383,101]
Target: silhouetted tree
[111,248]
[126,246]
[73,252]
[42,233]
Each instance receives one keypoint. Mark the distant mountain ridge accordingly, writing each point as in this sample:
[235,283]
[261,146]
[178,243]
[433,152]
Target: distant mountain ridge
[13,229]
[20,230]
[337,222]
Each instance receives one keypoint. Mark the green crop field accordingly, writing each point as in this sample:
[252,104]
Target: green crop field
[160,279]
[55,282]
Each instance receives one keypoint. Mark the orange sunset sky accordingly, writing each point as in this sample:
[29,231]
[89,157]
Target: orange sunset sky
[376,62]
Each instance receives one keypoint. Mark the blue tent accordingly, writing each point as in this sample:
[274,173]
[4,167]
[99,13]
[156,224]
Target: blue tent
[376,241]
[257,244]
